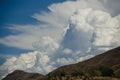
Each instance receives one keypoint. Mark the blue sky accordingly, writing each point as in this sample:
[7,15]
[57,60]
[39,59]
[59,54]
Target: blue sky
[19,12]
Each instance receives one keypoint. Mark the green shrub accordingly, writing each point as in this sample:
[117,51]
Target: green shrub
[106,71]
[74,73]
[97,73]
[49,77]
[78,72]
[63,73]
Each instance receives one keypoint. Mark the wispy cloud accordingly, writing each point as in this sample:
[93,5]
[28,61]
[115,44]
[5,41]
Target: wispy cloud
[56,22]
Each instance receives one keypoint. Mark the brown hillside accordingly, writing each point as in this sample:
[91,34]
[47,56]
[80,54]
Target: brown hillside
[110,59]
[21,75]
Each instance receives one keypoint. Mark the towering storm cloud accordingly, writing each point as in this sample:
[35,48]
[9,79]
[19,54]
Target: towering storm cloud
[72,32]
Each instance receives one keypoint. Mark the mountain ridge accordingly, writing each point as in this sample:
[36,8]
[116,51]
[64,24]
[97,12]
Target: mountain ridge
[109,59]
[95,62]
[21,75]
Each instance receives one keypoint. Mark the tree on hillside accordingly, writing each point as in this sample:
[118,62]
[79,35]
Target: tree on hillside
[62,73]
[78,72]
[105,71]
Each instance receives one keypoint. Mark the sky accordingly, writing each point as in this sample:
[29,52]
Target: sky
[41,35]
[18,12]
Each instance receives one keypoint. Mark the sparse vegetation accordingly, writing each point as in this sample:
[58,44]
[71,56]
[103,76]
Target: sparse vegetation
[97,73]
[78,72]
